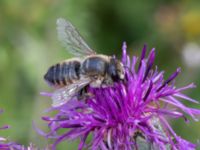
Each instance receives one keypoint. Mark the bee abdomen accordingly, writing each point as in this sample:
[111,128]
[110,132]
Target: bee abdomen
[63,74]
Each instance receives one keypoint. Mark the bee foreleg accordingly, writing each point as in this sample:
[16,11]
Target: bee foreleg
[97,82]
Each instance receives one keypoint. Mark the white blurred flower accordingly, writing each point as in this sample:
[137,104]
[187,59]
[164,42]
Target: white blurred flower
[191,55]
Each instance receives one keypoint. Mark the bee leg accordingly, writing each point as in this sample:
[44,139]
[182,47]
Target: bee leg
[88,95]
[125,80]
[107,82]
[97,81]
[81,94]
[84,94]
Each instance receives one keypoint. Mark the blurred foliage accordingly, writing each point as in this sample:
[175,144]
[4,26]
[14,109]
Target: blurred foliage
[28,46]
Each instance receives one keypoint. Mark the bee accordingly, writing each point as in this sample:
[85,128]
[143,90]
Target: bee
[71,76]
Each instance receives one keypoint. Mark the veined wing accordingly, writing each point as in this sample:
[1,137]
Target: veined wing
[71,39]
[63,95]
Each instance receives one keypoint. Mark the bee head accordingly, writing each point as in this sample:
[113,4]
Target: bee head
[116,69]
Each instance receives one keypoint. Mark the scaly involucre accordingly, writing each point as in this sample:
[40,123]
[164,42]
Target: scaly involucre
[130,115]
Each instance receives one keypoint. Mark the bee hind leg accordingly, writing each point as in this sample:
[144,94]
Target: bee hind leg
[84,94]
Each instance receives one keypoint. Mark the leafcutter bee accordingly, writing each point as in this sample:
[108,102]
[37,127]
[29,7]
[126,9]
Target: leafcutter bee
[71,76]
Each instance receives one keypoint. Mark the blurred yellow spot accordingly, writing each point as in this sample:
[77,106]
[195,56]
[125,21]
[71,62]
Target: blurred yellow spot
[191,24]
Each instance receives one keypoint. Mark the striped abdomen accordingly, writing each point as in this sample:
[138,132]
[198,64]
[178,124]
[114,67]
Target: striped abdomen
[64,73]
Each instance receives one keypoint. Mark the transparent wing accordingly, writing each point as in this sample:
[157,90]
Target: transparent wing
[63,95]
[71,39]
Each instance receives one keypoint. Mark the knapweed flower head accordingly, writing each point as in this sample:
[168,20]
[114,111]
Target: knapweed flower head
[132,114]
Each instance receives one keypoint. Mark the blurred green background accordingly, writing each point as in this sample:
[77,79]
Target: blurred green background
[29,45]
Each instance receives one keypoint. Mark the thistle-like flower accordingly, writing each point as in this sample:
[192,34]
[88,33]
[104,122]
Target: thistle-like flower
[5,144]
[132,114]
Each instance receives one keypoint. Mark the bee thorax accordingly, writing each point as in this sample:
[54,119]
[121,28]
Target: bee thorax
[93,66]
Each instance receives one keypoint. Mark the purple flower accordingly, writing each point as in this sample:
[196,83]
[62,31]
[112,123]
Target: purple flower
[8,145]
[14,146]
[4,145]
[131,114]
